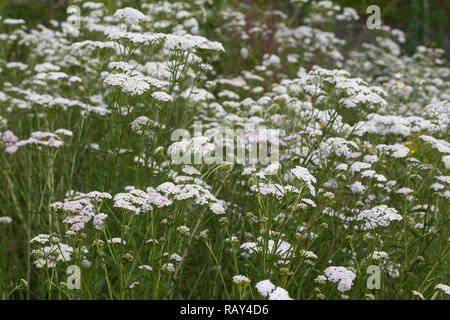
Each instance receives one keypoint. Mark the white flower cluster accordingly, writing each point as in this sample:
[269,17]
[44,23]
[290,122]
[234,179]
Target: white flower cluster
[241,280]
[444,288]
[380,215]
[308,254]
[354,92]
[198,193]
[80,209]
[117,240]
[357,166]
[274,189]
[379,255]
[440,112]
[342,275]
[161,96]
[190,42]
[49,139]
[130,16]
[89,45]
[395,151]
[98,220]
[200,146]
[44,239]
[136,84]
[279,248]
[303,175]
[138,201]
[145,267]
[384,125]
[48,256]
[417,293]
[438,144]
[267,289]
[140,124]
[337,146]
[5,220]
[168,267]
[357,187]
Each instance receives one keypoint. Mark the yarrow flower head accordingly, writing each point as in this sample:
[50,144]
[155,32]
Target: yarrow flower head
[5,220]
[145,267]
[337,146]
[98,220]
[168,267]
[141,124]
[241,280]
[117,241]
[267,289]
[303,175]
[130,16]
[380,215]
[176,257]
[161,96]
[404,191]
[49,256]
[342,275]
[445,288]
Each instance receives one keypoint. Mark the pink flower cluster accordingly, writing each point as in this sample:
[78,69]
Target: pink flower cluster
[12,143]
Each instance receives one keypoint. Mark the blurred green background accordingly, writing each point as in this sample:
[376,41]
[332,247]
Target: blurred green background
[424,21]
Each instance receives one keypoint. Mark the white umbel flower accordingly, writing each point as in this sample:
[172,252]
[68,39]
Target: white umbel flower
[444,288]
[161,96]
[267,289]
[380,215]
[130,16]
[342,275]
[303,175]
[241,280]
[5,220]
[140,124]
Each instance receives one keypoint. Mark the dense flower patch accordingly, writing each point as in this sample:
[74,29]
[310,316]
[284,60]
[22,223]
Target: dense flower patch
[88,177]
